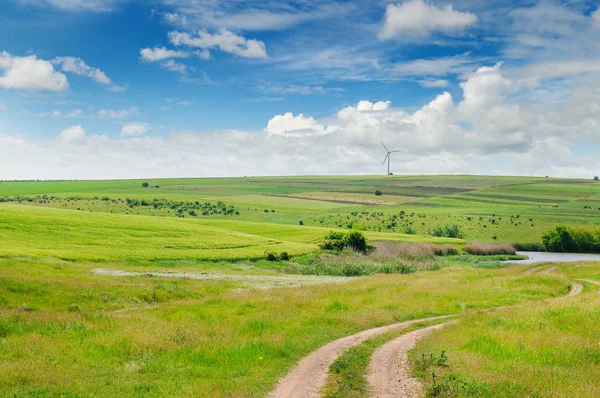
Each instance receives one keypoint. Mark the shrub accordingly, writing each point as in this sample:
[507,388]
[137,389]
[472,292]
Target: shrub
[378,192]
[488,249]
[284,256]
[300,222]
[449,231]
[354,240]
[145,185]
[596,178]
[271,256]
[410,230]
[357,242]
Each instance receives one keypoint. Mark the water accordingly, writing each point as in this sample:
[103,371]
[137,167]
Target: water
[542,257]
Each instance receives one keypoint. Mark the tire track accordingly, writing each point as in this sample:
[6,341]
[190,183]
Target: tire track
[389,369]
[310,374]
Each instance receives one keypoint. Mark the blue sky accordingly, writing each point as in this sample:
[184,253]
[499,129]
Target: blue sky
[131,88]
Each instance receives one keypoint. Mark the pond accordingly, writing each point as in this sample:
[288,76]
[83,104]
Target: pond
[542,257]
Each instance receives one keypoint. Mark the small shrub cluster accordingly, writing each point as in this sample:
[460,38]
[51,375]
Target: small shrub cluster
[272,256]
[353,240]
[448,231]
[572,240]
[489,249]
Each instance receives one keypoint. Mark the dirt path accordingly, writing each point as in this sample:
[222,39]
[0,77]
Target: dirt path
[310,375]
[535,269]
[388,374]
[548,271]
[389,370]
[576,289]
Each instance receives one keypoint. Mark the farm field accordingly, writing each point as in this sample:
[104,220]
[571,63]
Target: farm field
[219,287]
[503,209]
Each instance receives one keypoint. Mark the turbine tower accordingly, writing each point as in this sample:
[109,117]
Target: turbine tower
[388,156]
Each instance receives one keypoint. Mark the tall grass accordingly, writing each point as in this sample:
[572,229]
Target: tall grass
[538,350]
[489,249]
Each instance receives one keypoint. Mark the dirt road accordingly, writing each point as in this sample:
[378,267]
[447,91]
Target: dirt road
[310,375]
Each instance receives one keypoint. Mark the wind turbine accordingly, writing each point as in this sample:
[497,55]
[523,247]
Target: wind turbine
[388,155]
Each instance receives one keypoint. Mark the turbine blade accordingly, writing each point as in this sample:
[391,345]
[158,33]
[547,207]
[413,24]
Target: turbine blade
[398,150]
[386,156]
[384,146]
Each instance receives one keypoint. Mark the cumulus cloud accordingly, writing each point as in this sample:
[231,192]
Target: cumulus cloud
[161,53]
[79,67]
[296,126]
[71,134]
[117,113]
[30,73]
[223,39]
[134,129]
[177,67]
[484,131]
[422,18]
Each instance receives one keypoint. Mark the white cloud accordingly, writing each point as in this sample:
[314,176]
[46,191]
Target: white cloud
[434,83]
[71,134]
[251,15]
[134,129]
[161,53]
[2,106]
[117,114]
[596,17]
[224,40]
[422,18]
[58,114]
[74,5]
[296,126]
[30,73]
[79,67]
[294,89]
[457,64]
[118,89]
[487,131]
[174,66]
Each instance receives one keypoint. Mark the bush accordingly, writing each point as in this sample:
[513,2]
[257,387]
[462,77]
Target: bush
[378,192]
[357,242]
[488,249]
[145,184]
[354,240]
[410,230]
[300,222]
[449,231]
[573,240]
[271,256]
[596,178]
[284,256]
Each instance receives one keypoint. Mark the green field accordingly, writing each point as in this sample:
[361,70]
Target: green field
[110,289]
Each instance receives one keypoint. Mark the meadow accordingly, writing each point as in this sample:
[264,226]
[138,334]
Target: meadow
[218,287]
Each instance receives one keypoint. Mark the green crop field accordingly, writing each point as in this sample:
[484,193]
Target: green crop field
[218,287]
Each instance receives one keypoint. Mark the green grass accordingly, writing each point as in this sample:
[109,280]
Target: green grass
[542,349]
[66,234]
[65,331]
[486,208]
